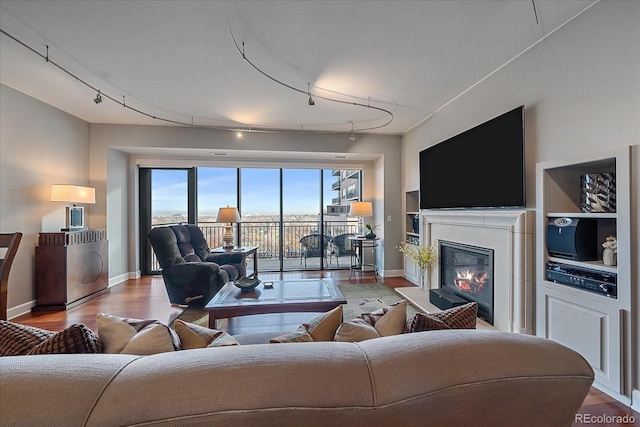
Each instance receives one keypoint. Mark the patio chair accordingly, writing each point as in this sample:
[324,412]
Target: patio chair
[341,246]
[314,246]
[10,242]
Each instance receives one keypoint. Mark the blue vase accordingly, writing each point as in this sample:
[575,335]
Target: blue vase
[370,236]
[416,223]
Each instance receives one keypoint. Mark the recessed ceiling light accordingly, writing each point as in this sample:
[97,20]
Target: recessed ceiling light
[219,154]
[339,157]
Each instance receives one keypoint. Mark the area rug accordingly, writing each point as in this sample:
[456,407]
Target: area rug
[361,298]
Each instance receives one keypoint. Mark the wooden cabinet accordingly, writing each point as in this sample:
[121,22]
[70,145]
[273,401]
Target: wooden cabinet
[71,267]
[597,326]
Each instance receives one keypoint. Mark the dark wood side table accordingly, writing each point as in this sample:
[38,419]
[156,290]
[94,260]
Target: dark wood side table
[247,251]
[71,268]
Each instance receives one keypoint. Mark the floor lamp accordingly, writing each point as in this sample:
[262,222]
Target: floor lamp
[361,209]
[228,216]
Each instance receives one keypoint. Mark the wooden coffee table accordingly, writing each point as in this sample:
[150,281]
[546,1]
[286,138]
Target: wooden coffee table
[286,296]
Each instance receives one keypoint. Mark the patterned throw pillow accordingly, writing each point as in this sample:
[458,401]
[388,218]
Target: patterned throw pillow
[320,328]
[387,321]
[460,317]
[196,336]
[19,340]
[135,336]
[73,340]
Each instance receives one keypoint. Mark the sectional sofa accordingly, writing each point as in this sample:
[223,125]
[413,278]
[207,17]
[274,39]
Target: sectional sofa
[434,378]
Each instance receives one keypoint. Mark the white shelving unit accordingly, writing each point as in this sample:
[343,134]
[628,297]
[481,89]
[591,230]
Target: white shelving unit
[412,208]
[596,326]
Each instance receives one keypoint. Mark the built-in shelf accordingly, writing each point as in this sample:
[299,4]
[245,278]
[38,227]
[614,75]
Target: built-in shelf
[412,208]
[594,324]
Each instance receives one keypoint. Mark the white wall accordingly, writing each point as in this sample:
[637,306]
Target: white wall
[581,92]
[39,146]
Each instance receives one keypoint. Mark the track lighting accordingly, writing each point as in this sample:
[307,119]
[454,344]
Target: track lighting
[311,101]
[352,136]
[98,99]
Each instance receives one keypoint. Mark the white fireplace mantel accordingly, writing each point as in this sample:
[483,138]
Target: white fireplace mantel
[510,234]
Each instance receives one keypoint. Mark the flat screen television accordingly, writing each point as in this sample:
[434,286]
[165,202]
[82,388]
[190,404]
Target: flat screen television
[482,167]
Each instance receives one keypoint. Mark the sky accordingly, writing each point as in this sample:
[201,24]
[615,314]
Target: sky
[217,187]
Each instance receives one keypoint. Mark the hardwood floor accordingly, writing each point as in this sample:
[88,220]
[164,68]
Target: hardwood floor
[146,298]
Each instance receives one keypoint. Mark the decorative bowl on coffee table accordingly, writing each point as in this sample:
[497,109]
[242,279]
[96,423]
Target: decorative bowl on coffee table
[247,284]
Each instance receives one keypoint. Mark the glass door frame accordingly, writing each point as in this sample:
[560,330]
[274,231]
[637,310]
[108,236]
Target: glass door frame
[144,204]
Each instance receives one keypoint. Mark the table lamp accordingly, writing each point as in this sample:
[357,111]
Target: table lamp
[73,194]
[361,209]
[228,216]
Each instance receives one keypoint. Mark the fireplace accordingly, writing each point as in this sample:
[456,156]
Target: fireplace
[467,272]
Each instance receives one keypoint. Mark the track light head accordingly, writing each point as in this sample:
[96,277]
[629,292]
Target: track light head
[98,99]
[352,135]
[311,101]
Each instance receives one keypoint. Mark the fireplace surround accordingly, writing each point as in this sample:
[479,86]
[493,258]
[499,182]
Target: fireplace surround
[509,233]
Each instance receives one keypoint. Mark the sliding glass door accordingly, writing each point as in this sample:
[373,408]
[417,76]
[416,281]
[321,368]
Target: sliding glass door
[297,217]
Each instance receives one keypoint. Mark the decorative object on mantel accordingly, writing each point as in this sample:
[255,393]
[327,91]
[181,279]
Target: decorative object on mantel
[424,257]
[73,194]
[598,192]
[228,216]
[610,252]
[371,228]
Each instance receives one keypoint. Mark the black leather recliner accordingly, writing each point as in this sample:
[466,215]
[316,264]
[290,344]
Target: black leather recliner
[192,275]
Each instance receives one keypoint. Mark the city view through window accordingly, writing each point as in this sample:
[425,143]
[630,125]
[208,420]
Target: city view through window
[278,208]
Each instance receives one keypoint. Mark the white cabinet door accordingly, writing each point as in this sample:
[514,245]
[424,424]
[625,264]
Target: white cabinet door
[411,271]
[591,329]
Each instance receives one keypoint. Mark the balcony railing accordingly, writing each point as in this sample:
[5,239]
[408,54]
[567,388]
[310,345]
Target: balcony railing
[267,236]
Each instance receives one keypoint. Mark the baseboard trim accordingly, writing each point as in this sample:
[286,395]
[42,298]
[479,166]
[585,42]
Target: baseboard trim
[392,273]
[116,280]
[21,309]
[626,400]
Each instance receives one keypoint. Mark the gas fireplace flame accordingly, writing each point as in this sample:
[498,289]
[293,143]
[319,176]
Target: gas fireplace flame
[470,281]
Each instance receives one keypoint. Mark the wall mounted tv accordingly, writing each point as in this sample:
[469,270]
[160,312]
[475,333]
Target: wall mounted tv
[482,167]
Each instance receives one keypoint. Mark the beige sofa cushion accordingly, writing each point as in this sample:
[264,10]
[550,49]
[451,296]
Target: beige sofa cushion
[135,336]
[196,336]
[320,328]
[387,321]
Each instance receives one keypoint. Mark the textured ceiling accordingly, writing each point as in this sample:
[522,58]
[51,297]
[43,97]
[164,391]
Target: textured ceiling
[178,60]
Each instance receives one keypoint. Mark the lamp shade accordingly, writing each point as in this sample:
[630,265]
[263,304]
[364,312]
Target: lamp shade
[72,193]
[361,209]
[228,215]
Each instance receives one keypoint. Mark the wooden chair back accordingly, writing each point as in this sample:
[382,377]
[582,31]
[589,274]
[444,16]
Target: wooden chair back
[10,242]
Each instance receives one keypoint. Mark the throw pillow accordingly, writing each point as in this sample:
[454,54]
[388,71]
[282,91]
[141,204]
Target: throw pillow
[73,340]
[135,336]
[320,328]
[460,317]
[196,336]
[356,330]
[19,340]
[390,320]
